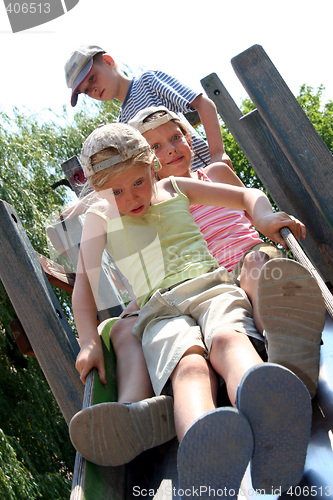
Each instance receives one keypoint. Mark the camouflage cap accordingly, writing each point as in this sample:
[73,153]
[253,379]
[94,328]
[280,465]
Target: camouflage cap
[127,140]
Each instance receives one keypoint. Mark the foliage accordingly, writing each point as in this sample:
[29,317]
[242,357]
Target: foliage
[36,456]
[321,115]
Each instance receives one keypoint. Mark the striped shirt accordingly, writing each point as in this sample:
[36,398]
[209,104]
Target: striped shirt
[228,233]
[154,88]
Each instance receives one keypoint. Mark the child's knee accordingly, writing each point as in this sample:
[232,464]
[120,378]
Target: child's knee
[253,262]
[225,340]
[193,364]
[256,258]
[121,331]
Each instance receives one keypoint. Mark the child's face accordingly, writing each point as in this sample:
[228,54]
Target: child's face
[131,189]
[102,81]
[171,148]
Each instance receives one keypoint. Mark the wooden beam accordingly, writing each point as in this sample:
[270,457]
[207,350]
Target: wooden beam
[275,171]
[57,274]
[38,309]
[21,338]
[288,192]
[293,131]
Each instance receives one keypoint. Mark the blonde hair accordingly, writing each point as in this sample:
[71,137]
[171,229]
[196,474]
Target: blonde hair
[98,179]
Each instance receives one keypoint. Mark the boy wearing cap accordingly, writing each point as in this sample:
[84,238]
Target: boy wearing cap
[90,70]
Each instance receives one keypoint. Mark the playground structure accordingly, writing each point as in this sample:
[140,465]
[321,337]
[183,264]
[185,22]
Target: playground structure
[297,169]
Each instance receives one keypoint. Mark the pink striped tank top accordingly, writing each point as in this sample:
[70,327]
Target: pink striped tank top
[228,233]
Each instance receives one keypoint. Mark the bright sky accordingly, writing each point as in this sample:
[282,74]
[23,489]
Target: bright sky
[186,39]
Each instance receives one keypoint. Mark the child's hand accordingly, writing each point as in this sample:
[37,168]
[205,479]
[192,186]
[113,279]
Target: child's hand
[270,226]
[89,357]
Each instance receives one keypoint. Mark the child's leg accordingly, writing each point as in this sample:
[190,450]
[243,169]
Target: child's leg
[194,385]
[253,262]
[276,403]
[232,355]
[133,382]
[216,445]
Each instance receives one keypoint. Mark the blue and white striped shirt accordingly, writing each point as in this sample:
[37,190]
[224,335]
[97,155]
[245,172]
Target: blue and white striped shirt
[154,88]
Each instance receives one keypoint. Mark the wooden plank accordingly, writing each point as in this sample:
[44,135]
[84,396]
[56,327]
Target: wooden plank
[91,481]
[21,338]
[38,309]
[57,274]
[288,192]
[272,167]
[293,131]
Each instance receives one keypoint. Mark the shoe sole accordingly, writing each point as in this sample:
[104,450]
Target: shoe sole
[113,434]
[278,407]
[292,311]
[214,454]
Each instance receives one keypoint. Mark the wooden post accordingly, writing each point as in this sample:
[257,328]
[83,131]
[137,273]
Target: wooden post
[38,309]
[290,195]
[275,171]
[293,131]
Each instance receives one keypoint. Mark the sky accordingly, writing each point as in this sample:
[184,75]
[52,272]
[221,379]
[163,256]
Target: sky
[186,39]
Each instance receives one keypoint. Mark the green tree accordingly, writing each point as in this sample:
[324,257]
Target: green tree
[321,115]
[36,456]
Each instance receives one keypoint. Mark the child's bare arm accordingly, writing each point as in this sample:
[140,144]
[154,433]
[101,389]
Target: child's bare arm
[253,201]
[85,295]
[208,115]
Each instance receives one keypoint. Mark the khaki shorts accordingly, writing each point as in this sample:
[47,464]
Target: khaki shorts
[190,314]
[271,250]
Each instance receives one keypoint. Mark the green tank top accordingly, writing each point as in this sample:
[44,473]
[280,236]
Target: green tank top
[159,250]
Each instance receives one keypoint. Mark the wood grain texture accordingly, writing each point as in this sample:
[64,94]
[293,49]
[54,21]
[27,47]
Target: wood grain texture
[38,309]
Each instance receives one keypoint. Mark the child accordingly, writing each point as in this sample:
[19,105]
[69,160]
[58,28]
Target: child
[91,71]
[190,311]
[229,235]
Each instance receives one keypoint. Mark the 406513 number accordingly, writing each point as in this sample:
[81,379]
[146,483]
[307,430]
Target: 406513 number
[28,8]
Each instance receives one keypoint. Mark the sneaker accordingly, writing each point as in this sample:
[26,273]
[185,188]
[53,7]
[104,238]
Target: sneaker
[278,408]
[292,311]
[115,433]
[214,454]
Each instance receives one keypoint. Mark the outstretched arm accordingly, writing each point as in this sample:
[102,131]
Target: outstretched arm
[85,295]
[253,201]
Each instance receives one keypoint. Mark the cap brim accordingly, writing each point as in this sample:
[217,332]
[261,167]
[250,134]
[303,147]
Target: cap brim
[79,79]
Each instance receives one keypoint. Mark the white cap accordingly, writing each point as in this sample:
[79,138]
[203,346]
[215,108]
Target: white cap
[138,120]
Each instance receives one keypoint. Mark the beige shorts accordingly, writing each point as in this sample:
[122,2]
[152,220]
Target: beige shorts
[190,314]
[271,250]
